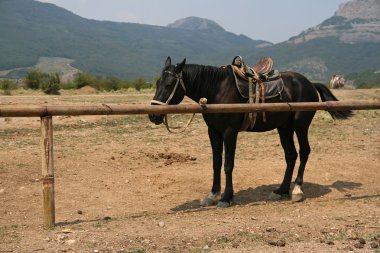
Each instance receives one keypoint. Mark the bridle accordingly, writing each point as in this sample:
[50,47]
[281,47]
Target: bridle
[179,81]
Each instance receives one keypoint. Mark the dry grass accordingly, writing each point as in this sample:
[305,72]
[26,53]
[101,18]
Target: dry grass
[110,166]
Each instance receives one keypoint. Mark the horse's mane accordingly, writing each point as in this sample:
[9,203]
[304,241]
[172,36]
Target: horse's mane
[205,76]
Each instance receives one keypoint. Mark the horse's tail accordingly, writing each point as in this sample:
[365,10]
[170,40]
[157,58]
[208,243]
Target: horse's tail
[326,95]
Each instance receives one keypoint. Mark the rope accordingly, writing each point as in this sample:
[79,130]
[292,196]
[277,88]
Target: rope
[170,129]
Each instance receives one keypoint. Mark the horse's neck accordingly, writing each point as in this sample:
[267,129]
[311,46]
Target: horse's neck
[198,82]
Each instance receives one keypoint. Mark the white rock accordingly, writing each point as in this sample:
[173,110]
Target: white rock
[70,242]
[62,237]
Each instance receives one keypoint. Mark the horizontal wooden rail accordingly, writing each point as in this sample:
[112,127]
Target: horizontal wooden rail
[117,109]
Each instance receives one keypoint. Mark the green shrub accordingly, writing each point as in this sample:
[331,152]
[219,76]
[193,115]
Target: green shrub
[110,83]
[365,80]
[50,84]
[7,85]
[32,79]
[140,83]
[85,79]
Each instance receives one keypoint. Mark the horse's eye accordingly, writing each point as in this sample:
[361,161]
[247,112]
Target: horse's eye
[168,84]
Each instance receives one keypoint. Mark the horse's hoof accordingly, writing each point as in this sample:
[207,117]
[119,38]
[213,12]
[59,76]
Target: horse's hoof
[297,197]
[297,194]
[222,204]
[210,200]
[274,196]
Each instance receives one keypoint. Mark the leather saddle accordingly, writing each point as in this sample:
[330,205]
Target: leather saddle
[261,73]
[258,85]
[264,66]
[262,70]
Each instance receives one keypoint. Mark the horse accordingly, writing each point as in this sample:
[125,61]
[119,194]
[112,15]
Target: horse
[337,82]
[218,86]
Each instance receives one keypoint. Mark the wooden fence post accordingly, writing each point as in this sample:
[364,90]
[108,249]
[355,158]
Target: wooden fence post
[48,171]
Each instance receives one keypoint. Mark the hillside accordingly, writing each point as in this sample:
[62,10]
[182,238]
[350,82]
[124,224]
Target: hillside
[354,22]
[31,29]
[347,42]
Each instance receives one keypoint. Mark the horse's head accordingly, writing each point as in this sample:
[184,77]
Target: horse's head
[170,89]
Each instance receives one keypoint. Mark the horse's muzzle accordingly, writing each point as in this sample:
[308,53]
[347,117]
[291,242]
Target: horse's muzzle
[156,119]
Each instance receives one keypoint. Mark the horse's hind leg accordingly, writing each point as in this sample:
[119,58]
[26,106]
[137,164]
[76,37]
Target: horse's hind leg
[286,137]
[216,141]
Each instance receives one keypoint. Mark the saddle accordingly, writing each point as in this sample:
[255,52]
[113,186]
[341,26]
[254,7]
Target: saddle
[258,85]
[262,70]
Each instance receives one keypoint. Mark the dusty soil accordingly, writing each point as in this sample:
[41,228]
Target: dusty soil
[126,185]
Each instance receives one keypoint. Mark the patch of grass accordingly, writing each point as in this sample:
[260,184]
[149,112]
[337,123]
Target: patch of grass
[112,125]
[100,223]
[3,167]
[9,235]
[6,132]
[139,250]
[97,224]
[199,250]
[368,114]
[341,235]
[234,240]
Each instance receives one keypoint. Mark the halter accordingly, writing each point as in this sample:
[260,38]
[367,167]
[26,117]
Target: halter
[179,81]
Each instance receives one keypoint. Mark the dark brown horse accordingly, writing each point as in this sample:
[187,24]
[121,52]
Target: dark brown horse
[217,85]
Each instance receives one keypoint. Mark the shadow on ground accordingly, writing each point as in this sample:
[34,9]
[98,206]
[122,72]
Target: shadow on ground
[261,193]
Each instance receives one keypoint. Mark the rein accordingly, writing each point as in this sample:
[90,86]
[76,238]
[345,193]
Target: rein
[166,122]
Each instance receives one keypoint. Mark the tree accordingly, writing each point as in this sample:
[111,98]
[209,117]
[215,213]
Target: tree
[110,83]
[50,84]
[83,79]
[7,85]
[32,79]
[139,83]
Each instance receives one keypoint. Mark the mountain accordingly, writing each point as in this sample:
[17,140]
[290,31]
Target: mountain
[196,23]
[354,22]
[347,42]
[30,30]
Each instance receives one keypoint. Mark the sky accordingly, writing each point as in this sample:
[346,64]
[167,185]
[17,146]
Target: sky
[270,20]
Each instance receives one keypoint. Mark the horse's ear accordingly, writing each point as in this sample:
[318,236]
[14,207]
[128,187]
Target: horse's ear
[168,61]
[180,66]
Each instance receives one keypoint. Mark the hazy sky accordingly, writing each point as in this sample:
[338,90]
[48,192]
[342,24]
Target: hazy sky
[271,20]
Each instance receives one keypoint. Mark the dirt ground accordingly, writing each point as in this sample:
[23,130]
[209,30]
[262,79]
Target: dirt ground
[123,184]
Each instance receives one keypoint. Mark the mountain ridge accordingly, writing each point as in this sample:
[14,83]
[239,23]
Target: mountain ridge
[30,30]
[354,22]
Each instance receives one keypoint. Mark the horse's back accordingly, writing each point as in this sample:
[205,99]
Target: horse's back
[299,88]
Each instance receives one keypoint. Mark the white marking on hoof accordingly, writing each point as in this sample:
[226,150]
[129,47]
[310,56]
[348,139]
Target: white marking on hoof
[297,193]
[210,200]
[274,196]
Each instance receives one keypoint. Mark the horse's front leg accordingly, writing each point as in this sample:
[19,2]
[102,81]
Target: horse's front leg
[230,138]
[216,140]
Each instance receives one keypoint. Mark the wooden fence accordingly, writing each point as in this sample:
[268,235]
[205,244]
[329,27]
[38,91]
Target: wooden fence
[46,113]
